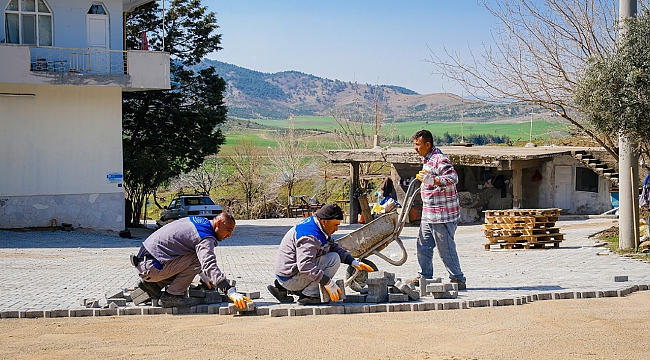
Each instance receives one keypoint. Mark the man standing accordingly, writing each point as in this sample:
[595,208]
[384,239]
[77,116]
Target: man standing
[440,210]
[173,255]
[308,257]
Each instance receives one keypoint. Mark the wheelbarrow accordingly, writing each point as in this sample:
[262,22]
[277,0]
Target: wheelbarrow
[375,236]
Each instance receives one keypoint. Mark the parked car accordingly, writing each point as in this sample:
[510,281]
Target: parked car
[190,205]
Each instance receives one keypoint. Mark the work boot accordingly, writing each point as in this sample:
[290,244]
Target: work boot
[280,293]
[461,285]
[152,289]
[309,300]
[170,300]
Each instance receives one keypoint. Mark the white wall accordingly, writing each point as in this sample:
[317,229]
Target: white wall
[64,140]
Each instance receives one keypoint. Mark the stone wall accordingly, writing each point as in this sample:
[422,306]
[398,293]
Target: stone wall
[90,211]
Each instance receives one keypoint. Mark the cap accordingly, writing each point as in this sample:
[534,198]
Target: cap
[330,212]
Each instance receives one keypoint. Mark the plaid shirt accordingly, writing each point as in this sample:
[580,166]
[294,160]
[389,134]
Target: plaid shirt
[440,202]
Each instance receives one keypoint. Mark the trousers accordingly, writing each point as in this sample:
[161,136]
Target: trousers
[328,263]
[441,235]
[177,274]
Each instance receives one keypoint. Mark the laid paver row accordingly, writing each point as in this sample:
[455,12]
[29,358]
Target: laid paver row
[353,308]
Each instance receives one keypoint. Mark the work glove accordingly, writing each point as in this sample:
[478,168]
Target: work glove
[238,299]
[333,290]
[361,266]
[425,177]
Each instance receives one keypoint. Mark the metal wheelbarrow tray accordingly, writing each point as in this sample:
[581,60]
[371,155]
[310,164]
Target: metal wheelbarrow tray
[375,236]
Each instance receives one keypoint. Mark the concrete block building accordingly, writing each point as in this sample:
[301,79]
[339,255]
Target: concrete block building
[63,69]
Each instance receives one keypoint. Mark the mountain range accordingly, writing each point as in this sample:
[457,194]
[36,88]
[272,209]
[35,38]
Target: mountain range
[252,94]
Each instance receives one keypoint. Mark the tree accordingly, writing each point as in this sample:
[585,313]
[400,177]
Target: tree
[539,50]
[614,91]
[204,179]
[169,132]
[247,171]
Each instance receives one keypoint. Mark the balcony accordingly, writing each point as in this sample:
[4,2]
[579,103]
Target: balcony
[133,70]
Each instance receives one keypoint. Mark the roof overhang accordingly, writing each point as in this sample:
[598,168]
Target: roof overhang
[492,156]
[130,5]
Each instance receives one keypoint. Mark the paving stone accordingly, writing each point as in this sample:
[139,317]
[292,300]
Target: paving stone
[130,311]
[377,308]
[352,298]
[213,308]
[107,312]
[262,311]
[464,305]
[405,288]
[643,287]
[381,274]
[480,303]
[59,313]
[332,310]
[399,307]
[532,298]
[183,310]
[279,312]
[212,297]
[202,309]
[620,278]
[445,295]
[504,302]
[520,300]
[224,310]
[610,293]
[377,290]
[451,305]
[157,310]
[355,309]
[436,288]
[10,314]
[626,291]
[117,301]
[83,312]
[545,296]
[563,295]
[398,297]
[301,311]
[31,314]
[117,293]
[250,306]
[588,294]
[139,296]
[341,285]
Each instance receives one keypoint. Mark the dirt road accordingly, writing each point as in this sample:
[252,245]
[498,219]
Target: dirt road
[604,328]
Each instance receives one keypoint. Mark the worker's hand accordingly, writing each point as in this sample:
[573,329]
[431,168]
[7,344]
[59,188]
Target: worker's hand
[425,177]
[238,299]
[361,266]
[333,290]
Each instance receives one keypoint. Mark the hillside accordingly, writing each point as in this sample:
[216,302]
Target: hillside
[256,95]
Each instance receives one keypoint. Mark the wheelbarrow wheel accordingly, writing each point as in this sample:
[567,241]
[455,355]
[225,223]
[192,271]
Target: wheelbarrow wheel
[360,281]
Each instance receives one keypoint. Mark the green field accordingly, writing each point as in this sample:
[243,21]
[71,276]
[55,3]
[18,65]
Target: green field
[542,129]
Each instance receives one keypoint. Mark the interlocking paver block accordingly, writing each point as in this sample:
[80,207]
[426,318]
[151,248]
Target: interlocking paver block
[480,303]
[610,293]
[377,289]
[60,313]
[129,311]
[212,297]
[34,314]
[398,297]
[202,309]
[279,312]
[545,296]
[213,308]
[301,311]
[399,307]
[451,305]
[375,308]
[262,311]
[83,312]
[116,301]
[356,309]
[107,312]
[197,293]
[116,293]
[381,274]
[353,298]
[332,310]
[139,296]
[408,289]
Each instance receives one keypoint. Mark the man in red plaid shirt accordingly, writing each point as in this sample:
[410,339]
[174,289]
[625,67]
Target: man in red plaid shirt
[440,209]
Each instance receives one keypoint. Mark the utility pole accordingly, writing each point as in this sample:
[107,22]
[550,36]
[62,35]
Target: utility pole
[628,165]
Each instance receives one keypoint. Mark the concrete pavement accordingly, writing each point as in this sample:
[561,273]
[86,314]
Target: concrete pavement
[53,270]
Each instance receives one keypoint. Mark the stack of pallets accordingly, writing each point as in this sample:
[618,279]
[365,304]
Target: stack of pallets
[522,228]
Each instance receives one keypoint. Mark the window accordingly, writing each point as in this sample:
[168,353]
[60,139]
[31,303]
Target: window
[28,22]
[586,180]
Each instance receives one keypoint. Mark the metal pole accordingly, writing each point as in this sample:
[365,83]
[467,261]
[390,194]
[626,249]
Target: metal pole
[628,165]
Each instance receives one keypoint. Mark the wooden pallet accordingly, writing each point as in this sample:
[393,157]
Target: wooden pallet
[523,212]
[496,232]
[524,245]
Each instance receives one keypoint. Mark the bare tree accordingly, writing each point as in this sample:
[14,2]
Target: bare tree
[289,159]
[247,171]
[539,51]
[207,177]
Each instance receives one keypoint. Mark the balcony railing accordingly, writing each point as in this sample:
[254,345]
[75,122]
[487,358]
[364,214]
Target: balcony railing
[75,60]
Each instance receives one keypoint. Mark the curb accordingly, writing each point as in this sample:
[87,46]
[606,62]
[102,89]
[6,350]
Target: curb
[277,310]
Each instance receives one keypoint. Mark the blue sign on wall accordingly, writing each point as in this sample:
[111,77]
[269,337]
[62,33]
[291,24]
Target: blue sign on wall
[115,178]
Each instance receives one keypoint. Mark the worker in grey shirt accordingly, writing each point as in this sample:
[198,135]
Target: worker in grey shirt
[308,257]
[173,255]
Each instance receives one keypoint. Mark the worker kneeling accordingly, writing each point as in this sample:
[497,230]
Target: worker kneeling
[308,257]
[173,255]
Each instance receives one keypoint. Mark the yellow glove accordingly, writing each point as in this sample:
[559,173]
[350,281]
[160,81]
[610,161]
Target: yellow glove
[238,299]
[425,177]
[333,290]
[361,266]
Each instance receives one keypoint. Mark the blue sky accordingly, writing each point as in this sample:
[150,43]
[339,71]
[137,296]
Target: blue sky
[368,41]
